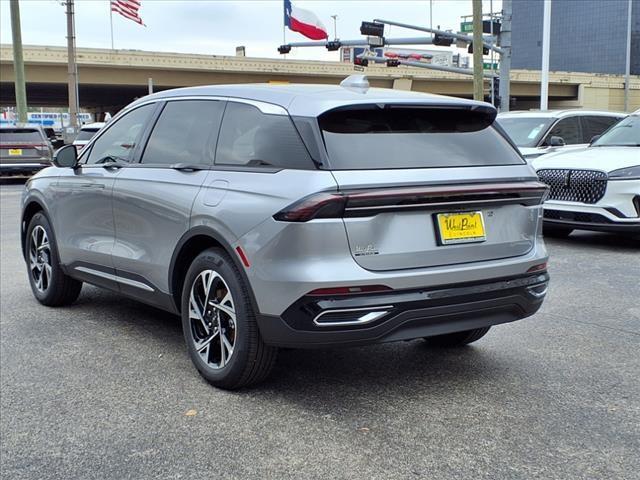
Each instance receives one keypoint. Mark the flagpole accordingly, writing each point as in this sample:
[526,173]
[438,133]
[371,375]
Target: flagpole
[111,21]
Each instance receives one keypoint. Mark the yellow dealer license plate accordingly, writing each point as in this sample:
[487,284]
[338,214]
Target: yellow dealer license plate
[464,227]
[15,151]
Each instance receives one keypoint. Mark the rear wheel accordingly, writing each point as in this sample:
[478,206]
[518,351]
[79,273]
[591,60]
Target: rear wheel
[48,282]
[556,231]
[219,324]
[457,339]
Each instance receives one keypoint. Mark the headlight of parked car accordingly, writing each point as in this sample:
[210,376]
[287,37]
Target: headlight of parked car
[629,173]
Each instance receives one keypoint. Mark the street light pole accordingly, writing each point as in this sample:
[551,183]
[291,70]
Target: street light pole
[18,63]
[627,71]
[505,57]
[72,69]
[478,80]
[335,26]
[546,40]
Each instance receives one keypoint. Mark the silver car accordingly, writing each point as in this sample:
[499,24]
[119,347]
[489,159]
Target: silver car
[295,216]
[24,150]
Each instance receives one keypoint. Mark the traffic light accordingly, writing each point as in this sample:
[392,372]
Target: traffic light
[362,62]
[393,62]
[485,50]
[284,49]
[442,40]
[333,45]
[496,92]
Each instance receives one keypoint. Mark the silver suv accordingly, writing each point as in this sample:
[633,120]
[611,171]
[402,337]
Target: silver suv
[295,216]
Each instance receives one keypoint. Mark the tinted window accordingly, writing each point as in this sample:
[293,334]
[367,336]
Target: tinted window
[185,133]
[595,125]
[400,137]
[120,140]
[27,135]
[249,137]
[568,129]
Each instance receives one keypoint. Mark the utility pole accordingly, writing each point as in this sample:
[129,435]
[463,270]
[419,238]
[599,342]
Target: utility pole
[18,63]
[505,57]
[627,71]
[72,68]
[546,40]
[478,80]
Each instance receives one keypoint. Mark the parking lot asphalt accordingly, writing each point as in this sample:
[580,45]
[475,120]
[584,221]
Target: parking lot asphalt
[104,389]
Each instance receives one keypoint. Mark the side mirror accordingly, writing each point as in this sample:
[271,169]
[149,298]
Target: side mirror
[556,141]
[594,139]
[66,157]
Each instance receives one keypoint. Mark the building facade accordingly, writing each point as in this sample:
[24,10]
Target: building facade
[586,35]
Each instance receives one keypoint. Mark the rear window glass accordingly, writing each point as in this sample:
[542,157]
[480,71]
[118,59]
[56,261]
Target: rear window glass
[251,138]
[86,133]
[20,135]
[387,136]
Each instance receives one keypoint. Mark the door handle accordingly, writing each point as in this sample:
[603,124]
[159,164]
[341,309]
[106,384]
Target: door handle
[112,165]
[188,167]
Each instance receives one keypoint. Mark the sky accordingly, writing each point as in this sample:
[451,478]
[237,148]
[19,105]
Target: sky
[216,27]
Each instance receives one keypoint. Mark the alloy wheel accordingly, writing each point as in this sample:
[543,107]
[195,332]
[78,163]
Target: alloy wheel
[212,318]
[40,258]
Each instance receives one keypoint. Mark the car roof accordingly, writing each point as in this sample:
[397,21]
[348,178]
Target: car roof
[558,113]
[22,127]
[309,100]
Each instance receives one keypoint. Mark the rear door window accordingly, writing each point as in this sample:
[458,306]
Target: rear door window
[568,129]
[186,132]
[596,125]
[251,138]
[391,137]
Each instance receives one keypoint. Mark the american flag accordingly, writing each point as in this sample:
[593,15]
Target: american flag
[128,9]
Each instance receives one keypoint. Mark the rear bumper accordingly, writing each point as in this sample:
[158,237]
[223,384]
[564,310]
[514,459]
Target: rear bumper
[26,168]
[596,227]
[350,320]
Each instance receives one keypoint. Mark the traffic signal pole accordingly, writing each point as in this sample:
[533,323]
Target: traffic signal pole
[18,63]
[478,67]
[505,57]
[72,69]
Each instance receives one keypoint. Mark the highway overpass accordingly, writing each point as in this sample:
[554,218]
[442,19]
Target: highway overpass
[109,79]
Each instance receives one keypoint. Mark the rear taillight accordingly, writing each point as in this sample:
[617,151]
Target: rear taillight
[371,202]
[541,267]
[319,205]
[349,290]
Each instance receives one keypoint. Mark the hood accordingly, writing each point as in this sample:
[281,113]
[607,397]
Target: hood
[605,159]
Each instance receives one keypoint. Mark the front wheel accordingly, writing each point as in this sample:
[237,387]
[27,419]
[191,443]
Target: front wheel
[48,282]
[219,324]
[457,339]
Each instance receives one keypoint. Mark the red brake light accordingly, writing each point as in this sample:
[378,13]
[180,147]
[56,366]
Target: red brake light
[538,268]
[319,205]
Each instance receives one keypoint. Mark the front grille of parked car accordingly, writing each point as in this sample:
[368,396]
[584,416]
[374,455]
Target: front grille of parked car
[584,186]
[582,217]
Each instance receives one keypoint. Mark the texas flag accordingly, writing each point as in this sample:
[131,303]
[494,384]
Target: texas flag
[304,22]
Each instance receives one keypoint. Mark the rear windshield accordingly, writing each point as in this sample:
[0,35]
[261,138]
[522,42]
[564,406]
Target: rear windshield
[19,135]
[387,136]
[86,133]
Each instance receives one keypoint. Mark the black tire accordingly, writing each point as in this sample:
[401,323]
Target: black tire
[556,231]
[457,339]
[57,289]
[251,360]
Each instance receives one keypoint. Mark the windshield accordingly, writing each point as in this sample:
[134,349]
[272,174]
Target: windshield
[374,137]
[20,135]
[525,131]
[625,133]
[86,133]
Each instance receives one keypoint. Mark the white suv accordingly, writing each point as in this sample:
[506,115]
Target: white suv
[539,133]
[595,188]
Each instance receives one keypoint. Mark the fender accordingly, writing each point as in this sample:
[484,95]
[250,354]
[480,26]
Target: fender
[214,235]
[33,196]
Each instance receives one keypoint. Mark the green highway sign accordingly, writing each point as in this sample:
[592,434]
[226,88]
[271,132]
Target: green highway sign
[487,65]
[466,27]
